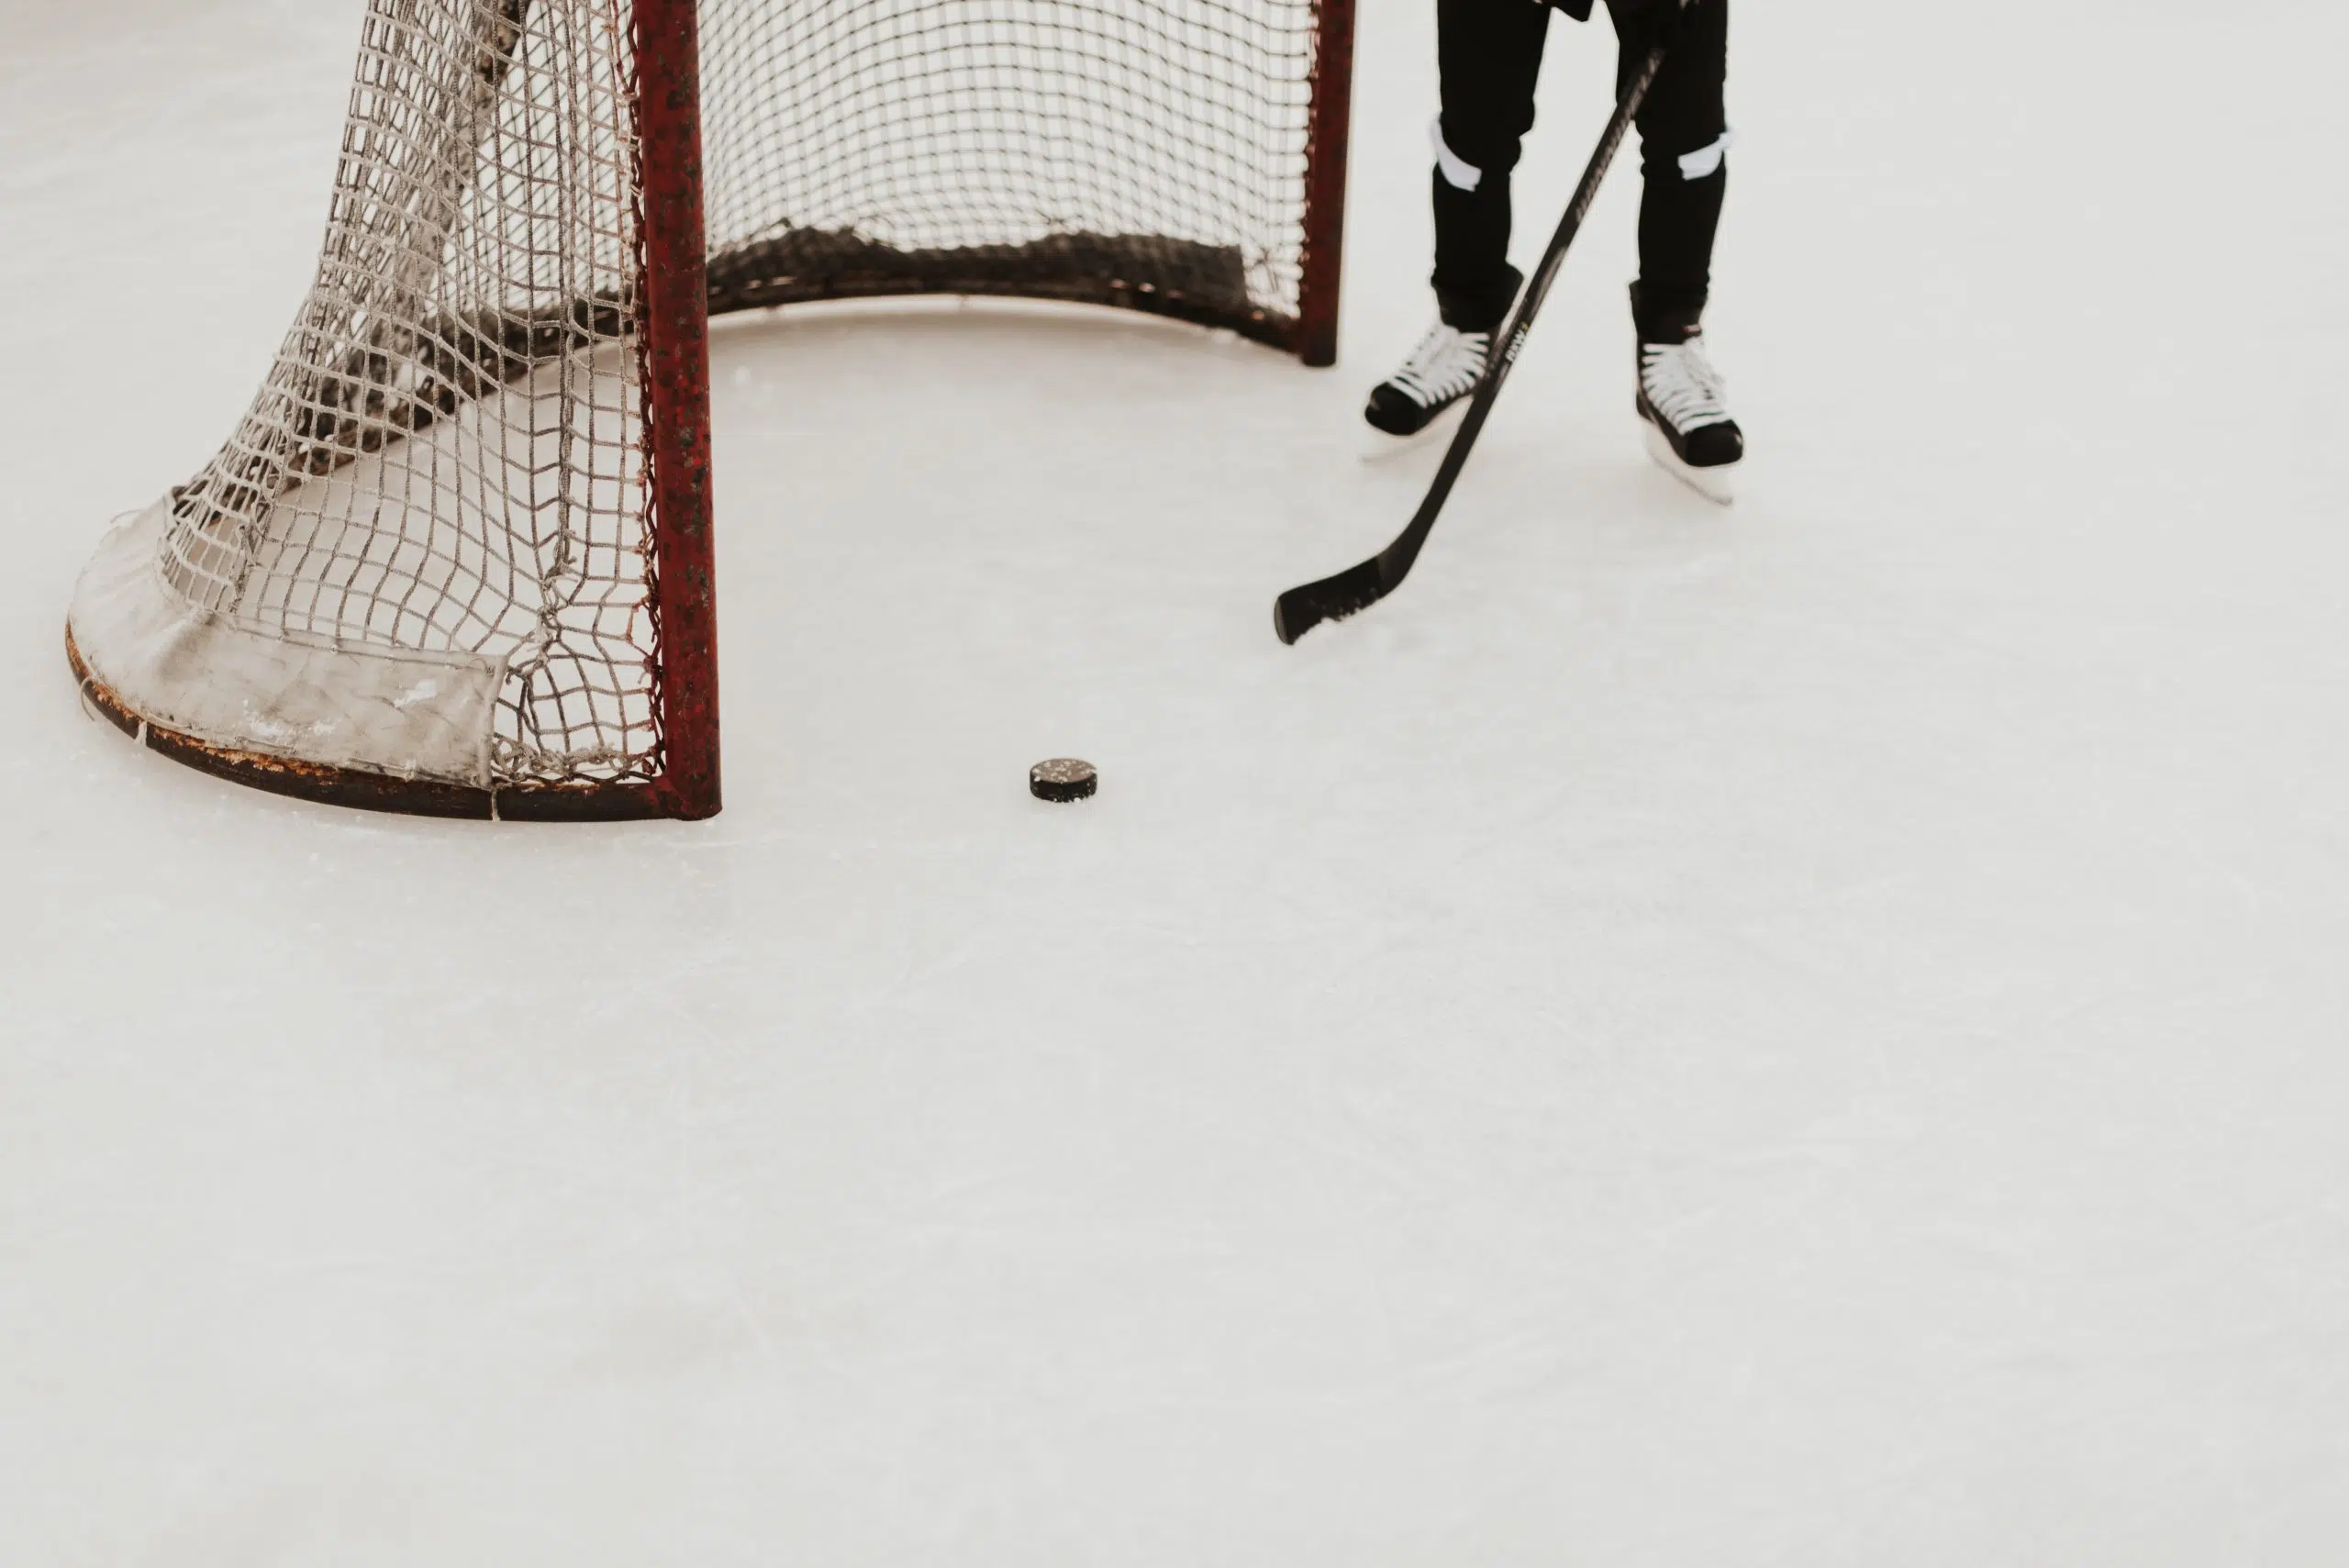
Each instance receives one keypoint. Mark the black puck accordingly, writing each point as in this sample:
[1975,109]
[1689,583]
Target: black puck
[1062,778]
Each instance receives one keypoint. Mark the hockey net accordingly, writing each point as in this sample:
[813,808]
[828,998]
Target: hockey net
[439,564]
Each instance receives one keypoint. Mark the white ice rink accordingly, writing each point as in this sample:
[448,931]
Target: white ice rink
[1810,1036]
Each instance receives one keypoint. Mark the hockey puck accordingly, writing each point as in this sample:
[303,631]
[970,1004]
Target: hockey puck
[1062,778]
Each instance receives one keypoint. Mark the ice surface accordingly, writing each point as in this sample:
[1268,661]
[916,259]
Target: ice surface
[1808,1035]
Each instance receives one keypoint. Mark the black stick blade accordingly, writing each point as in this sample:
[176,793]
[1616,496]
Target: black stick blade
[1301,609]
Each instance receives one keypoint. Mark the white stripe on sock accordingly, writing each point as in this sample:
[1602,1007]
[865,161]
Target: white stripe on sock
[1458,172]
[1706,161]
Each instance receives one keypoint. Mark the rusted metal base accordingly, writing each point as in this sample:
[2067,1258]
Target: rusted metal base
[375,792]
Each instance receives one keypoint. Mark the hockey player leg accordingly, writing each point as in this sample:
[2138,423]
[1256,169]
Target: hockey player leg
[1685,136]
[1490,57]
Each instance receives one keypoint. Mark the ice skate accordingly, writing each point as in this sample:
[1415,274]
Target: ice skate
[1429,390]
[1685,403]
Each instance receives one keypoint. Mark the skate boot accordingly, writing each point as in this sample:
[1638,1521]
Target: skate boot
[1448,363]
[1445,369]
[1684,403]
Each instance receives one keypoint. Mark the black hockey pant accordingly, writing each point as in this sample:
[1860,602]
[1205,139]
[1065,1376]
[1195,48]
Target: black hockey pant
[1491,55]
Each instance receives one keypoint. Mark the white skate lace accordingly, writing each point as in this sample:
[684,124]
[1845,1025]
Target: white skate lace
[1446,364]
[1683,385]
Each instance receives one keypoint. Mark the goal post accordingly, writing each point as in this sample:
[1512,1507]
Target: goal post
[685,585]
[457,557]
[1329,130]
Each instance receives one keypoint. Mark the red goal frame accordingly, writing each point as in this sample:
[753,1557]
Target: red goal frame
[678,305]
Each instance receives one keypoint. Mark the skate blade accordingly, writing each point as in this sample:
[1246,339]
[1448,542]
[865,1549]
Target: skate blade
[1718,485]
[1380,445]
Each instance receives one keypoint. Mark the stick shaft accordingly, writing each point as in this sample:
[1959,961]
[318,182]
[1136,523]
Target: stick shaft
[1396,560]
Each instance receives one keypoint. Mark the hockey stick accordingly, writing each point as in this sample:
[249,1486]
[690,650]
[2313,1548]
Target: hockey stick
[1357,588]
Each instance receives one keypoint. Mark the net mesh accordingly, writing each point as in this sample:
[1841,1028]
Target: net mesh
[1156,145]
[448,453]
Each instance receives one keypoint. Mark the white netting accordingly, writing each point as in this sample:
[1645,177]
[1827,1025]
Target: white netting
[968,141]
[448,458]
[447,454]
